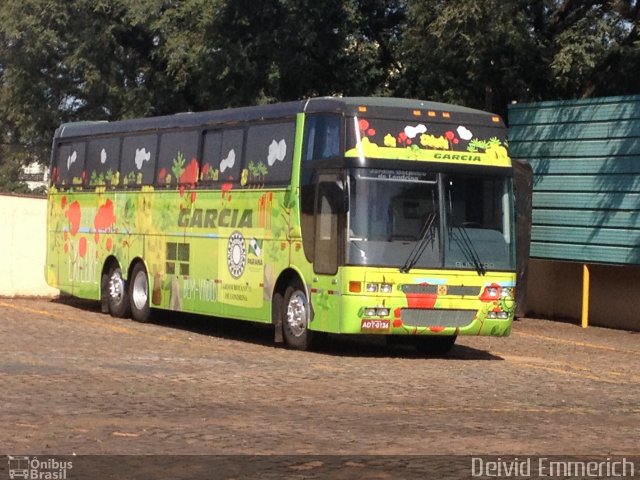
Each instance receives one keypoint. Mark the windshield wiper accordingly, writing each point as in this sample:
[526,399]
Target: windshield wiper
[468,249]
[420,245]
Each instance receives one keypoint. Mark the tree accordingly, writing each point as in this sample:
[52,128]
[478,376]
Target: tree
[477,53]
[11,172]
[486,54]
[591,47]
[229,53]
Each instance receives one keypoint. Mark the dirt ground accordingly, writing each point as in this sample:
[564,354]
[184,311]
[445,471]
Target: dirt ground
[78,382]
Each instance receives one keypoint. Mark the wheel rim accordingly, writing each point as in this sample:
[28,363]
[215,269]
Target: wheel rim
[140,293]
[297,313]
[116,287]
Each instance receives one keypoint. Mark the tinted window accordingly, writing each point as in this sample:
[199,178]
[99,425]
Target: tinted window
[269,154]
[138,160]
[69,170]
[222,156]
[321,137]
[322,140]
[210,171]
[177,159]
[103,158]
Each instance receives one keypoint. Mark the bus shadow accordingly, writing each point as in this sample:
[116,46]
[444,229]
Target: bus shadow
[325,344]
[81,303]
[378,346]
[237,330]
[375,346]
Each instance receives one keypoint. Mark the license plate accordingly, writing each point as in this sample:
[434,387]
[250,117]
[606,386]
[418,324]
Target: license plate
[374,325]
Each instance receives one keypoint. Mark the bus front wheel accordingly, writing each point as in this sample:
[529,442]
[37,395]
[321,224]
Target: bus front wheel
[295,318]
[117,298]
[139,294]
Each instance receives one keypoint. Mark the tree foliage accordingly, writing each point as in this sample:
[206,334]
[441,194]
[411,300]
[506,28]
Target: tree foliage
[486,54]
[67,60]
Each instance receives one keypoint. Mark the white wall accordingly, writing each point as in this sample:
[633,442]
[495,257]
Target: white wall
[23,240]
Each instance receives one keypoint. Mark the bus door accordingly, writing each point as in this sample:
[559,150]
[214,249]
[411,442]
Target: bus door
[330,221]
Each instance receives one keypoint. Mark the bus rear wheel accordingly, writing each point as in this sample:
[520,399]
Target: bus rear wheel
[117,298]
[295,318]
[139,294]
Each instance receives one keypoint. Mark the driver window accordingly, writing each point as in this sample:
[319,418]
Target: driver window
[329,225]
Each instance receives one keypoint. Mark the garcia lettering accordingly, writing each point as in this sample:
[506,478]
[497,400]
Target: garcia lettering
[212,218]
[464,157]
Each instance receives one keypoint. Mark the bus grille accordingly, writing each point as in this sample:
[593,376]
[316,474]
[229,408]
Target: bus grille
[433,289]
[418,317]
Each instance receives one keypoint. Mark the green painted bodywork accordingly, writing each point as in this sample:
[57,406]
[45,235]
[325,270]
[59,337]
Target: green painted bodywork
[222,253]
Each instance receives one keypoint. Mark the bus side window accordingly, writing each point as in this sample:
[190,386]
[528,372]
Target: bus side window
[70,160]
[269,154]
[103,159]
[138,160]
[210,168]
[177,159]
[322,140]
[229,160]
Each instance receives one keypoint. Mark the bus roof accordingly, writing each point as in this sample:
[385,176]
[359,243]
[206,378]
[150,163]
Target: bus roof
[373,106]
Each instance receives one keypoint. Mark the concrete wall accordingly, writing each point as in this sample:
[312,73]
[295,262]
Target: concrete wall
[555,291]
[22,246]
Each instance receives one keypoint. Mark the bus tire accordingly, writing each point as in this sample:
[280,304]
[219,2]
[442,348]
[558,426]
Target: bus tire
[295,314]
[435,345]
[117,297]
[139,294]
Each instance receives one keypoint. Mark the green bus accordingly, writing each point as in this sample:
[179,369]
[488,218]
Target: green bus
[362,215]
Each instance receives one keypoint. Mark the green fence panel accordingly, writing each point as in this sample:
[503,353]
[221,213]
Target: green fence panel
[585,156]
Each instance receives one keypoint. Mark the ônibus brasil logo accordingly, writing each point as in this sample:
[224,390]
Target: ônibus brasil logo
[33,468]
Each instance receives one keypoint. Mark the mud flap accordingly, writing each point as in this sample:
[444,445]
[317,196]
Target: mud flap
[104,294]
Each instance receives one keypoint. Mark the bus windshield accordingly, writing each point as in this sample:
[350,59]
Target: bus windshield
[409,219]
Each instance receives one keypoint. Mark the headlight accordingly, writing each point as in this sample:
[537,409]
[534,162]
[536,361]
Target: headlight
[506,293]
[491,292]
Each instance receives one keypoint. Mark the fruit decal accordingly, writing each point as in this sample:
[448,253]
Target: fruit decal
[73,214]
[424,142]
[105,218]
[255,173]
[492,147]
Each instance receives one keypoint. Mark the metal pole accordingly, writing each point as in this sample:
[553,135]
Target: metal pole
[585,295]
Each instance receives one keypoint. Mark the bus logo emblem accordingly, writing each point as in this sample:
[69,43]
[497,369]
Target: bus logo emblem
[18,467]
[236,255]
